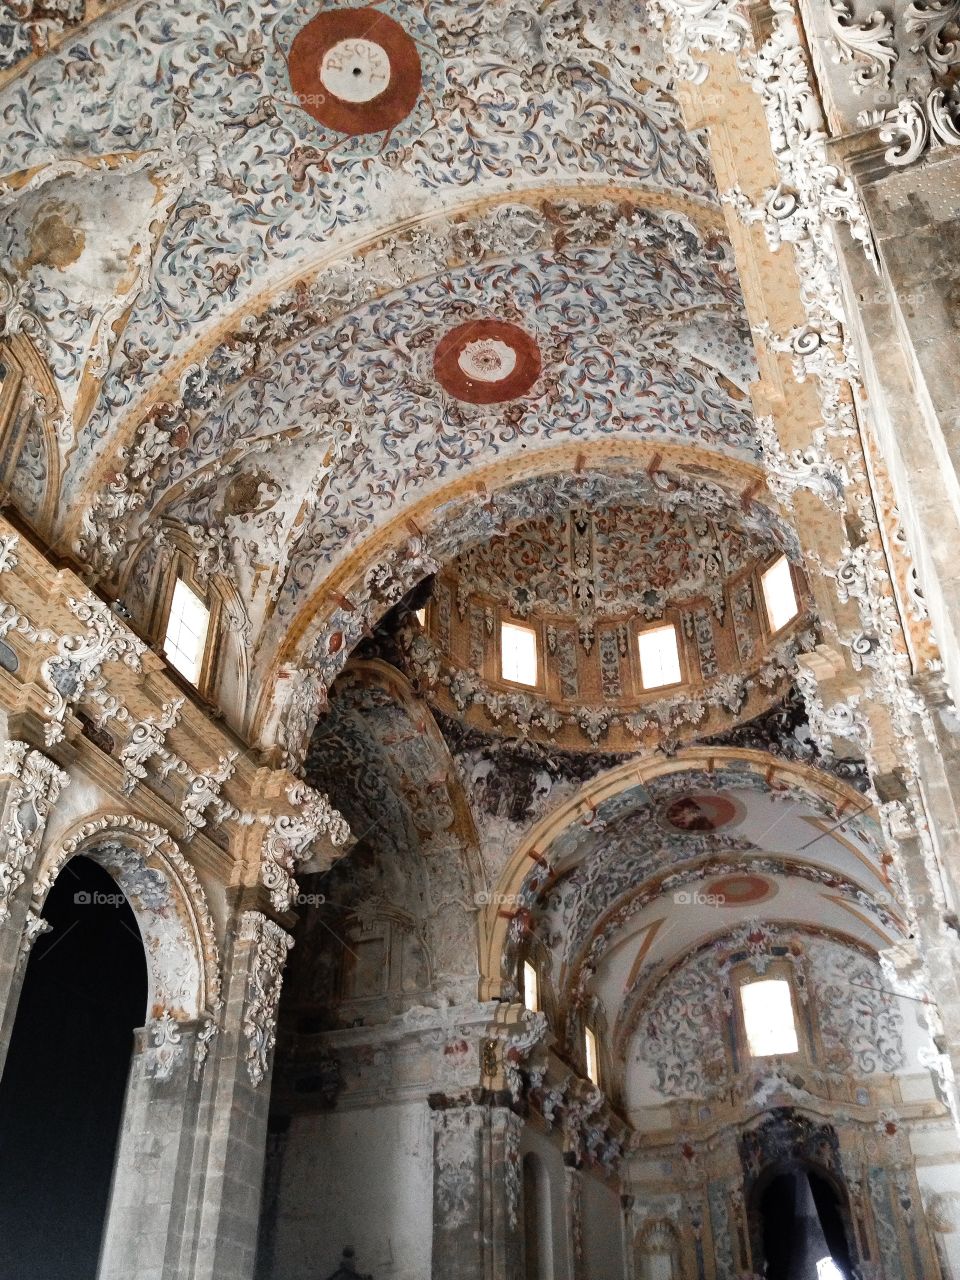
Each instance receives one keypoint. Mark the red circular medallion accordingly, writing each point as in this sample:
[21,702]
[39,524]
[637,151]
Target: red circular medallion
[702,812]
[486,361]
[741,889]
[355,70]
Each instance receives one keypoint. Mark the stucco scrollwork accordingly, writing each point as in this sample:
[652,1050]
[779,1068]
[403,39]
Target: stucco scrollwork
[78,663]
[930,21]
[270,945]
[869,44]
[289,839]
[34,785]
[914,126]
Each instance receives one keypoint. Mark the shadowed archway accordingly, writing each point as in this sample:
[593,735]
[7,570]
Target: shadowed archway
[61,1096]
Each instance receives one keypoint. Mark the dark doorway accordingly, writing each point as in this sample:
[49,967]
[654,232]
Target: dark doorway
[61,1095]
[783,1234]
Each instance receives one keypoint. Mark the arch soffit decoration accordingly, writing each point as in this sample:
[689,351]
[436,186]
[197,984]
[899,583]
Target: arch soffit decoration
[373,671]
[580,965]
[30,379]
[638,997]
[169,903]
[458,846]
[534,850]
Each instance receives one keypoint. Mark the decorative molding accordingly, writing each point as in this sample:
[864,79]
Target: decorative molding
[269,944]
[165,1049]
[869,45]
[34,784]
[699,26]
[8,545]
[289,838]
[163,889]
[77,666]
[914,127]
[928,20]
[204,793]
[146,740]
[806,468]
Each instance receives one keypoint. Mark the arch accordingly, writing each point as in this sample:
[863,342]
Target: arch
[785,1141]
[85,986]
[534,849]
[390,257]
[333,617]
[441,821]
[658,1239]
[167,900]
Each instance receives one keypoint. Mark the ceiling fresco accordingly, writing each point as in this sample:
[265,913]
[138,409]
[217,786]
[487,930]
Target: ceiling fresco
[589,558]
[349,421]
[345,297]
[681,1049]
[240,130]
[630,884]
[361,311]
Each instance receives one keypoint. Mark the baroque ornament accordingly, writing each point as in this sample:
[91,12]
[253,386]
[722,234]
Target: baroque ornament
[267,945]
[168,900]
[290,838]
[33,785]
[869,44]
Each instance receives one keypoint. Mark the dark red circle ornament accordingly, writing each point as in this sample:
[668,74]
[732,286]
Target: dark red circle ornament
[355,70]
[487,361]
[741,889]
[702,812]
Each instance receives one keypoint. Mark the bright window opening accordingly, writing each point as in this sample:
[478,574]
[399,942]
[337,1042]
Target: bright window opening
[768,1017]
[518,653]
[422,616]
[593,1061]
[659,657]
[531,987]
[186,631]
[779,595]
[827,1269]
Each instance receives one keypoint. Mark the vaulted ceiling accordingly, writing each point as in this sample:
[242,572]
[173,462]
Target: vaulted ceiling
[257,277]
[365,299]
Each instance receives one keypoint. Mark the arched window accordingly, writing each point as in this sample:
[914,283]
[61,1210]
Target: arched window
[658,1252]
[591,1055]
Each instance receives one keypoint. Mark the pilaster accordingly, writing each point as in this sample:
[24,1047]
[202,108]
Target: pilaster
[29,786]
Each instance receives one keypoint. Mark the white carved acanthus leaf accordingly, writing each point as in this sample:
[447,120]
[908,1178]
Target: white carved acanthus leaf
[76,667]
[699,26]
[34,785]
[290,839]
[914,126]
[270,945]
[870,45]
[931,21]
